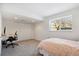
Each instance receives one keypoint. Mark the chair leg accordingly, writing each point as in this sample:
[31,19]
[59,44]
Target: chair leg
[7,45]
[12,45]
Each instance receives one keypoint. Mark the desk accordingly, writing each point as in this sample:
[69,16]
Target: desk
[2,39]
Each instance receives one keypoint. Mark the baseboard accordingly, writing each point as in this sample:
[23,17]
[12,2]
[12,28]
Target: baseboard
[37,40]
[24,40]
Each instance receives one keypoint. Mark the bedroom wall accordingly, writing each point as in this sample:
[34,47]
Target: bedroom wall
[25,31]
[0,28]
[42,28]
[0,34]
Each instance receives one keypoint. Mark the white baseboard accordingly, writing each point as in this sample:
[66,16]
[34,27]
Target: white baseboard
[37,40]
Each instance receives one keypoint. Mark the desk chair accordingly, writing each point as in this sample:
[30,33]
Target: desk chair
[11,41]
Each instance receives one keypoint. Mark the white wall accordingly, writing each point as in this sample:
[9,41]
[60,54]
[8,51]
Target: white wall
[0,30]
[42,28]
[0,34]
[25,31]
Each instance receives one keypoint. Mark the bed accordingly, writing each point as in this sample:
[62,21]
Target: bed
[58,47]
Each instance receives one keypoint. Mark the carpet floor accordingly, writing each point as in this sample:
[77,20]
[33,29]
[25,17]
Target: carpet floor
[25,48]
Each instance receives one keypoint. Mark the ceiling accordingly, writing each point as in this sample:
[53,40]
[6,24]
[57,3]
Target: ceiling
[35,11]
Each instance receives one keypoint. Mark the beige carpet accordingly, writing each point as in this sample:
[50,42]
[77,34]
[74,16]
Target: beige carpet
[25,48]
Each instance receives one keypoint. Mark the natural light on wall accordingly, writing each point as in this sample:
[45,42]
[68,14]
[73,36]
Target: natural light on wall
[61,24]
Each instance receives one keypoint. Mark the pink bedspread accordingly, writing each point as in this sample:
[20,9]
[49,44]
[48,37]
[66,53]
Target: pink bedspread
[60,47]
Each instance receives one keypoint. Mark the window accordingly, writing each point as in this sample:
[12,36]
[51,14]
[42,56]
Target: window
[61,24]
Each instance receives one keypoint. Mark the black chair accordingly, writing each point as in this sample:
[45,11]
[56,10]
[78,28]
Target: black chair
[11,41]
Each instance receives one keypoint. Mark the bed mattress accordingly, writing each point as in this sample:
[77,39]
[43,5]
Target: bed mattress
[59,47]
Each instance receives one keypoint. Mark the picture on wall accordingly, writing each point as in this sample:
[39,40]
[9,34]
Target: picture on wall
[61,24]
